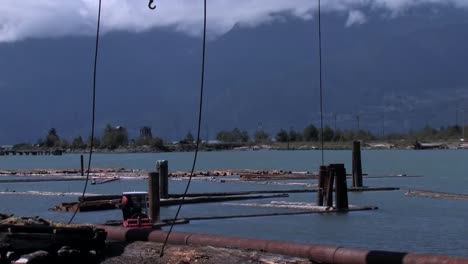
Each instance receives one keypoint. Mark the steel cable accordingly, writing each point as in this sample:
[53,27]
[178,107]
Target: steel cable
[91,143]
[200,110]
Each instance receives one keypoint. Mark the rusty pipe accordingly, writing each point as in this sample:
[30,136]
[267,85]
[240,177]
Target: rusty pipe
[316,253]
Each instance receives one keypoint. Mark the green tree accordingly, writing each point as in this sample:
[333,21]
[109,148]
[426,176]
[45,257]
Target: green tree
[188,139]
[338,135]
[328,134]
[261,136]
[282,136]
[96,142]
[310,133]
[114,137]
[22,146]
[77,143]
[157,143]
[65,144]
[294,136]
[245,137]
[52,139]
[233,136]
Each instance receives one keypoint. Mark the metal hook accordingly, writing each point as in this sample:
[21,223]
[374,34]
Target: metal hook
[150,5]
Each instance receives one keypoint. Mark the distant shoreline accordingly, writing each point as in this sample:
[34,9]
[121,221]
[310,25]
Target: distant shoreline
[293,146]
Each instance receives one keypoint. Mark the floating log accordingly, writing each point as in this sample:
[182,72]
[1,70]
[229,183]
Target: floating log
[438,195]
[303,206]
[42,180]
[115,203]
[90,198]
[64,171]
[158,225]
[39,193]
[87,206]
[242,193]
[332,210]
[372,189]
[211,199]
[105,180]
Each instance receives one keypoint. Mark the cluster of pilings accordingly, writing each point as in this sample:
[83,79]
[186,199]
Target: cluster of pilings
[330,176]
[333,178]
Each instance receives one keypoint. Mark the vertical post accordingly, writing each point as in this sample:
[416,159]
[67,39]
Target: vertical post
[341,192]
[82,165]
[153,193]
[330,181]
[162,167]
[357,166]
[321,185]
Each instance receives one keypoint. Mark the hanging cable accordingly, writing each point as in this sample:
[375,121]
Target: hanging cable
[320,77]
[91,143]
[202,85]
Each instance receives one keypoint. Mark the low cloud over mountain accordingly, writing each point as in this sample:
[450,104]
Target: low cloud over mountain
[381,58]
[55,18]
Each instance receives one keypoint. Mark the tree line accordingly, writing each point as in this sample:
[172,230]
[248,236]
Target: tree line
[115,137]
[112,138]
[311,133]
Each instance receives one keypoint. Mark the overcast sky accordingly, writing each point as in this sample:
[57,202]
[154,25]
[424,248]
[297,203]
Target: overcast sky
[24,19]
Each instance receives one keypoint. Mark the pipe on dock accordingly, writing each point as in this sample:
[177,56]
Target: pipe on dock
[153,193]
[357,165]
[163,170]
[316,253]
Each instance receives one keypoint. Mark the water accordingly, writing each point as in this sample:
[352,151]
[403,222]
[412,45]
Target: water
[402,223]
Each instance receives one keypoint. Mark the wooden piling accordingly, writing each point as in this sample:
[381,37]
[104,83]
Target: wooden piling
[357,165]
[330,181]
[82,165]
[321,185]
[341,192]
[153,193]
[163,170]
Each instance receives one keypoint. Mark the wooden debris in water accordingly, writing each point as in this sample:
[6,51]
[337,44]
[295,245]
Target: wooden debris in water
[115,203]
[300,205]
[437,195]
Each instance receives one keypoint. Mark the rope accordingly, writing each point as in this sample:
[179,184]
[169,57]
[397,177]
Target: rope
[320,75]
[202,85]
[91,144]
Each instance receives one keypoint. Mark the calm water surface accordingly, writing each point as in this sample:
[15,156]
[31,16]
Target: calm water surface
[401,223]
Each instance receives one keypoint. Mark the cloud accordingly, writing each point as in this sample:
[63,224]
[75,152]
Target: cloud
[55,18]
[355,17]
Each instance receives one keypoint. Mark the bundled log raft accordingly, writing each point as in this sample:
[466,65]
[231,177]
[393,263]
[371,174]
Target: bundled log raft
[95,205]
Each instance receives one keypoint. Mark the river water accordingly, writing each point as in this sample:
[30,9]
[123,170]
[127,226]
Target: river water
[401,223]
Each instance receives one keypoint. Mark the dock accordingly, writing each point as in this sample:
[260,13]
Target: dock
[33,152]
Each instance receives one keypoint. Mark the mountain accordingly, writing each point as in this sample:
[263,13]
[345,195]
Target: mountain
[409,69]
